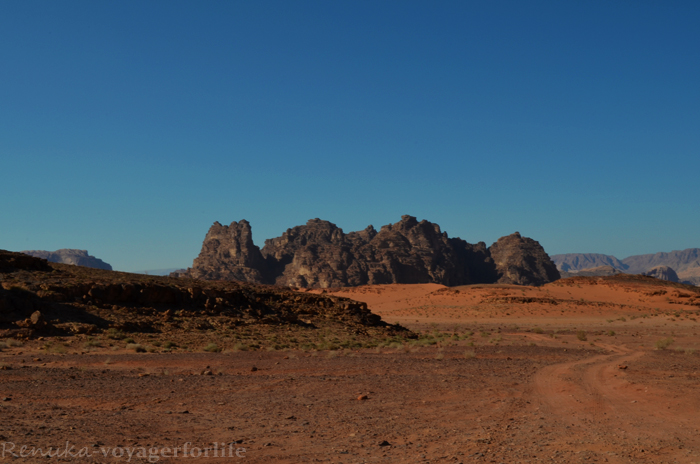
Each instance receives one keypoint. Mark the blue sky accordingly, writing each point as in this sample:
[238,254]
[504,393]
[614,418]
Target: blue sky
[127,128]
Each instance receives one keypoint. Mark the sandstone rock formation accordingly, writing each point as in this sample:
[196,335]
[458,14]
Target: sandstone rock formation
[70,256]
[663,273]
[522,261]
[228,253]
[320,255]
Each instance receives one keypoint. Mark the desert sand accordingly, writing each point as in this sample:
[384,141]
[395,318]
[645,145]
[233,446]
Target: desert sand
[579,370]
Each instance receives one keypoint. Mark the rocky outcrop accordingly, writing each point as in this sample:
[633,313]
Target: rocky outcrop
[522,261]
[663,273]
[320,255]
[11,261]
[228,253]
[70,256]
[42,298]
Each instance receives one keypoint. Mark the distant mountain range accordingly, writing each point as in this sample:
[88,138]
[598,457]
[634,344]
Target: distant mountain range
[161,272]
[70,256]
[686,263]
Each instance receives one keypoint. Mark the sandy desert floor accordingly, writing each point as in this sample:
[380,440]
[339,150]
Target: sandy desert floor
[575,371]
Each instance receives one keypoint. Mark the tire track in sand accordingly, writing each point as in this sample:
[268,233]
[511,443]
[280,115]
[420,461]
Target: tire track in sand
[592,398]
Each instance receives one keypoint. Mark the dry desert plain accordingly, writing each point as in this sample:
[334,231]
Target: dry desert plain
[577,371]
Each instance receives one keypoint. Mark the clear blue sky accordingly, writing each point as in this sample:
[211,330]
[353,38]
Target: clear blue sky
[127,128]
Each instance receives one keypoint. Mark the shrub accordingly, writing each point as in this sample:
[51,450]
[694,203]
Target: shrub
[469,354]
[611,333]
[244,347]
[212,348]
[537,330]
[581,335]
[136,347]
[92,344]
[663,343]
[115,334]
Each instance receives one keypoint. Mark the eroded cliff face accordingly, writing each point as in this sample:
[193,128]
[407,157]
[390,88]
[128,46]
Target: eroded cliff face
[228,253]
[321,255]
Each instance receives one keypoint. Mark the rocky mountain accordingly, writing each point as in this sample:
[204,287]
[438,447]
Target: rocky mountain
[680,261]
[320,255]
[663,273]
[70,256]
[686,263]
[579,261]
[522,261]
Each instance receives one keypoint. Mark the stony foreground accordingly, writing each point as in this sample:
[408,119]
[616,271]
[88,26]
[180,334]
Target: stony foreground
[497,395]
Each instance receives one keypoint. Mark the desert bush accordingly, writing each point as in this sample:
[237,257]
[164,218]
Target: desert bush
[244,347]
[169,345]
[12,342]
[537,330]
[663,343]
[469,354]
[212,348]
[581,335]
[92,344]
[136,347]
[611,333]
[115,334]
[129,340]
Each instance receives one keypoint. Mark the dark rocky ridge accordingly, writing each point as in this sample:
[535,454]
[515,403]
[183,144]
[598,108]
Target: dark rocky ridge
[320,255]
[42,298]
